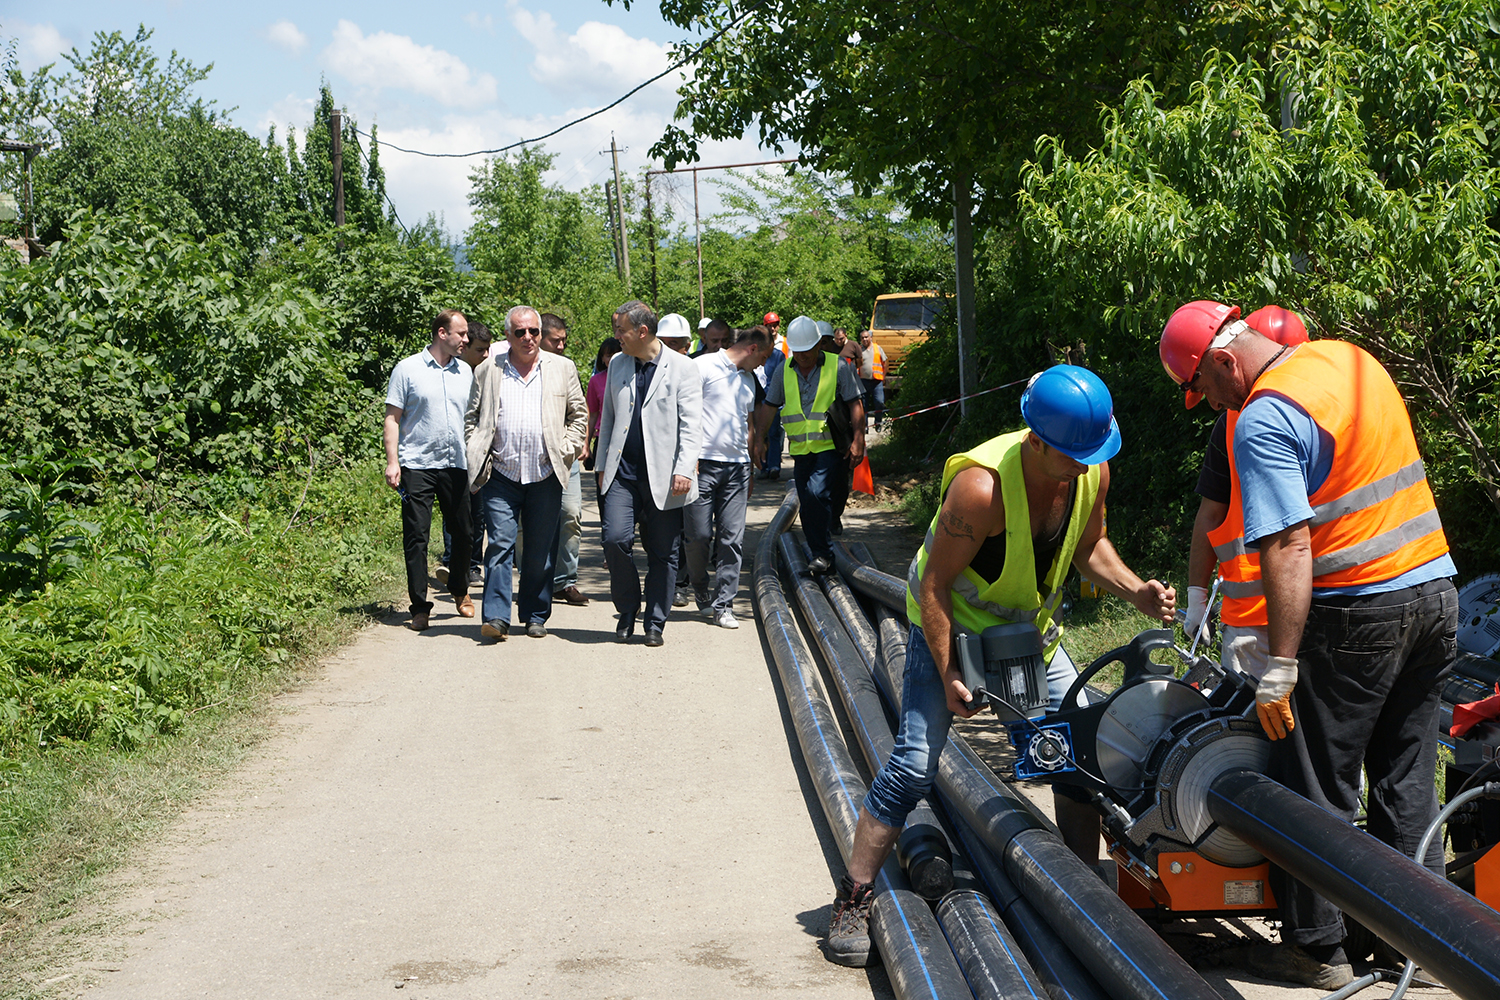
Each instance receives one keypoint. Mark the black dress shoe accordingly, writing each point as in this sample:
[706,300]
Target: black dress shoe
[820,566]
[624,632]
[653,637]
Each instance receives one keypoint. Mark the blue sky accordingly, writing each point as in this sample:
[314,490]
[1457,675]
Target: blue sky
[444,77]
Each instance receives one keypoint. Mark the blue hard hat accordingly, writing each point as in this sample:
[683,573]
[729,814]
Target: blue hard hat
[1070,409]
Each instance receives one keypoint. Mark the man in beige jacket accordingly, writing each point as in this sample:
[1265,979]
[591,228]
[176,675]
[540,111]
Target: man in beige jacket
[523,429]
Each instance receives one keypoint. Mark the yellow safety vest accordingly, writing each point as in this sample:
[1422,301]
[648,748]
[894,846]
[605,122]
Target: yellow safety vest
[808,433]
[979,603]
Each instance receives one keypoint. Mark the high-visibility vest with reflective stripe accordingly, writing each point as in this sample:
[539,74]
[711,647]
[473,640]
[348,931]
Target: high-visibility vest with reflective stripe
[979,603]
[877,365]
[808,433]
[1374,517]
[1244,597]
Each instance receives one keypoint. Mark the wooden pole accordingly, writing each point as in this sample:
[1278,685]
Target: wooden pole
[620,207]
[651,234]
[963,252]
[336,140]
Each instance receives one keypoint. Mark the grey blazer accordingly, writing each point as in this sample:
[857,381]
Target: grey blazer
[671,421]
[564,416]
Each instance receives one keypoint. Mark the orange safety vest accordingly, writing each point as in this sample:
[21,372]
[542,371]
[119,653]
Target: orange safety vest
[877,367]
[1244,601]
[1374,517]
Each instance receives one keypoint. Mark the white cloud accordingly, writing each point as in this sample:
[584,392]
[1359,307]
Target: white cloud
[289,112]
[484,23]
[597,59]
[37,44]
[382,60]
[285,35]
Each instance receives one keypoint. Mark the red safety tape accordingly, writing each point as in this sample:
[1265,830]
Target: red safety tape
[960,399]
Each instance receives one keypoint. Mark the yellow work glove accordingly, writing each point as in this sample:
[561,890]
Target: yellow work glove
[1273,698]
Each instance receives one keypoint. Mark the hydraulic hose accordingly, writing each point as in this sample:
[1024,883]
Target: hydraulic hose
[1448,932]
[1126,957]
[916,955]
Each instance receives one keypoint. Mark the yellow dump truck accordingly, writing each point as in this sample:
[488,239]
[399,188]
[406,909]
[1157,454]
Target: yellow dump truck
[901,320]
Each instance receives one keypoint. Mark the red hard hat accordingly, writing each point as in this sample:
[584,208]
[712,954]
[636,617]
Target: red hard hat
[1281,325]
[1187,336]
[771,319]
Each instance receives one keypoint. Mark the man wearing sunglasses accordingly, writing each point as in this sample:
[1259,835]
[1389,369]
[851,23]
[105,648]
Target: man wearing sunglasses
[1361,612]
[524,427]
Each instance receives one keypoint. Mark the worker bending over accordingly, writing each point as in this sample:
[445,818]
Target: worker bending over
[1016,512]
[1360,606]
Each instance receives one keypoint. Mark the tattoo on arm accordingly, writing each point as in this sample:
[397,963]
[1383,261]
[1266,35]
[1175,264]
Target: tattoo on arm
[955,526]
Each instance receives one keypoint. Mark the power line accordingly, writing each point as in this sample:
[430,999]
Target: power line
[592,114]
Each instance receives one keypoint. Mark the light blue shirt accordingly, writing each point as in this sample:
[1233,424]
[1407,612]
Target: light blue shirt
[432,399]
[1283,457]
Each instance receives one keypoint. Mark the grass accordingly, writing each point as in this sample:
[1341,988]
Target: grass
[238,604]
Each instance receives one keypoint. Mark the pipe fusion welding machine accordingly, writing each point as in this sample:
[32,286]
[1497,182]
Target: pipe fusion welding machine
[1148,753]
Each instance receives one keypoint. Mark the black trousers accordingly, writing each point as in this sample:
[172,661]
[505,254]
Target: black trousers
[450,488]
[1369,676]
[626,502]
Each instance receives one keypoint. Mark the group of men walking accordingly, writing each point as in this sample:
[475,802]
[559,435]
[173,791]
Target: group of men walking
[495,438]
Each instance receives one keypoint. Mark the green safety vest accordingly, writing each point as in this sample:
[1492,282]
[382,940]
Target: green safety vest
[979,603]
[808,433]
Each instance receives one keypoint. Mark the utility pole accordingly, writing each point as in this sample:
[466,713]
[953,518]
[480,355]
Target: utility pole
[963,251]
[651,231]
[614,236]
[336,139]
[620,207]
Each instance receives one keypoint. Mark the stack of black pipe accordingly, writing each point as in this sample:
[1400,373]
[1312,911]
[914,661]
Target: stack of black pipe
[1019,894]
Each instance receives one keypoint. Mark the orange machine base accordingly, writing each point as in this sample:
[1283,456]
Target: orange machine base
[1487,878]
[1189,885]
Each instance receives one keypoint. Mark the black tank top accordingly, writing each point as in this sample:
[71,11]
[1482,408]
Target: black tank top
[989,561]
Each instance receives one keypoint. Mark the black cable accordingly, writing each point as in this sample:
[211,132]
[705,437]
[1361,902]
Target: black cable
[365,158]
[592,114]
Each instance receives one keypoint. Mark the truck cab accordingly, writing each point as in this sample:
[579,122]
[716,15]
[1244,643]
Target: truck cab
[901,320]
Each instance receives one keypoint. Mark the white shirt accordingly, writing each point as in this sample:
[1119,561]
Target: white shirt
[520,448]
[728,399]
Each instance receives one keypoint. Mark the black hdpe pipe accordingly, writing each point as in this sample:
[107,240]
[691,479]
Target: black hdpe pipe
[916,955]
[994,966]
[1446,931]
[882,588]
[1125,956]
[1052,960]
[923,849]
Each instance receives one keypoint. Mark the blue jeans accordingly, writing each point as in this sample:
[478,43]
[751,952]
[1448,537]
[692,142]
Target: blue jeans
[534,507]
[569,532]
[775,438]
[913,765]
[815,487]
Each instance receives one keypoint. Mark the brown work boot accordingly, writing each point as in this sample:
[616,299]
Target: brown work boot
[1291,963]
[419,621]
[849,929]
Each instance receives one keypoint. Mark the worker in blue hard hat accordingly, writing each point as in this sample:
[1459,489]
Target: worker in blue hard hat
[972,573]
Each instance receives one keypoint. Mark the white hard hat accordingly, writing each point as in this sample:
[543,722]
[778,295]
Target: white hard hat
[704,322]
[673,325]
[802,334]
[825,329]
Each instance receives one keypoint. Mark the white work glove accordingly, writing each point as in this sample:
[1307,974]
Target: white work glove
[1273,698]
[1197,613]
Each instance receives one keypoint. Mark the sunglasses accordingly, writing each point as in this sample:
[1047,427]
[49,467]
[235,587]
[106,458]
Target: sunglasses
[527,331]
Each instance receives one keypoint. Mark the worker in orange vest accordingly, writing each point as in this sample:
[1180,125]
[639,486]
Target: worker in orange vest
[872,375]
[1329,489]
